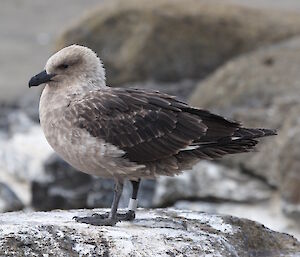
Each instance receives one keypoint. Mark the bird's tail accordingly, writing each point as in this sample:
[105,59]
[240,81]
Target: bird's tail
[242,140]
[250,133]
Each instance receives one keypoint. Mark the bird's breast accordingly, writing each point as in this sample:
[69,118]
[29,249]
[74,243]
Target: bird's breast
[77,147]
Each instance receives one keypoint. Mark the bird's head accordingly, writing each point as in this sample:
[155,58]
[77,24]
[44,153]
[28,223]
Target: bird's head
[71,66]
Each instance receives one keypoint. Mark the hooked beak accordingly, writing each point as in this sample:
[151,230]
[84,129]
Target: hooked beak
[42,77]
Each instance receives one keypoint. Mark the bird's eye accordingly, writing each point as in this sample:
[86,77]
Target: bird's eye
[63,66]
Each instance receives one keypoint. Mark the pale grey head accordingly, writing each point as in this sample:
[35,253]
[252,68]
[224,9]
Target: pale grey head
[70,67]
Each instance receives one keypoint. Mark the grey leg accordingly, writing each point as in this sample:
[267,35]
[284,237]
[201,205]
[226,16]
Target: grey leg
[135,188]
[130,214]
[104,220]
[115,203]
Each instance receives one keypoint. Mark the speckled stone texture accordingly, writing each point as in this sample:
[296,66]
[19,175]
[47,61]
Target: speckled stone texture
[161,232]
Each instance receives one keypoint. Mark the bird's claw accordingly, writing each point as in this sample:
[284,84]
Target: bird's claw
[96,221]
[128,216]
[104,220]
[101,216]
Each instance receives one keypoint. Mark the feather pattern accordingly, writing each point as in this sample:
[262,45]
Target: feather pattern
[151,126]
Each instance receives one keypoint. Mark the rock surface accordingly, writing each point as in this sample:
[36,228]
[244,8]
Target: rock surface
[290,164]
[23,149]
[212,182]
[262,89]
[154,233]
[8,199]
[181,89]
[173,40]
[264,212]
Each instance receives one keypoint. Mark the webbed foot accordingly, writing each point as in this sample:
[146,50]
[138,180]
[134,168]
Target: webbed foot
[96,221]
[104,220]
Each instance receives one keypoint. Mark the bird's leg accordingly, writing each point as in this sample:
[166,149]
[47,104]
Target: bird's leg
[103,220]
[130,214]
[115,203]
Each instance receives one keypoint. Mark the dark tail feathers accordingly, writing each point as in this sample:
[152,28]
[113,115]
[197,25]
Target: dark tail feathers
[243,140]
[250,133]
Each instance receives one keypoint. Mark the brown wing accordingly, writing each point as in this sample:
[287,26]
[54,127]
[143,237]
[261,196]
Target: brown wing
[149,125]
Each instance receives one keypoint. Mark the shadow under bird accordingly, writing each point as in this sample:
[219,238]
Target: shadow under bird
[123,133]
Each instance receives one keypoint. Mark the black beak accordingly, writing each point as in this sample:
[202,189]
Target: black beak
[40,78]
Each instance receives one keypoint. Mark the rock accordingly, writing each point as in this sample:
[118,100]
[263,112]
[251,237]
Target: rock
[19,115]
[4,126]
[22,152]
[154,233]
[181,89]
[8,199]
[263,93]
[63,187]
[261,89]
[212,182]
[174,40]
[265,212]
[29,104]
[13,120]
[289,167]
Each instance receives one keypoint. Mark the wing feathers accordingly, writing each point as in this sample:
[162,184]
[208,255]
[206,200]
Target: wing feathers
[149,126]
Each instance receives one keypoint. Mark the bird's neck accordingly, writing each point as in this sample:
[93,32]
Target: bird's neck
[52,98]
[57,96]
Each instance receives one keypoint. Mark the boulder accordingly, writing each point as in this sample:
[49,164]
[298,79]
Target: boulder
[173,40]
[161,232]
[13,120]
[8,199]
[181,89]
[22,152]
[61,186]
[289,167]
[262,89]
[264,212]
[211,182]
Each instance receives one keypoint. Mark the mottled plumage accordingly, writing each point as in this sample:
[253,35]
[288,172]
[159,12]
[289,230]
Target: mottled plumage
[151,127]
[127,133]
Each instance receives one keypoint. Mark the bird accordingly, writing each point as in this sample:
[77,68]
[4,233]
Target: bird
[127,133]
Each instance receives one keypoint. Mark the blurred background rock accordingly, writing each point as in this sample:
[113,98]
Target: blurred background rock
[237,58]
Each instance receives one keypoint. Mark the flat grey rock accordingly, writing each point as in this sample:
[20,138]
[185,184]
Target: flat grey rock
[9,201]
[208,180]
[161,232]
